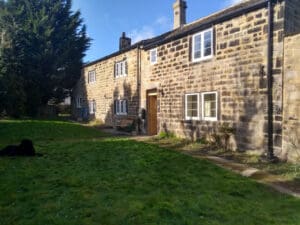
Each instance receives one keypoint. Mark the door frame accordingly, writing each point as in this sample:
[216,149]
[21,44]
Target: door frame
[152,93]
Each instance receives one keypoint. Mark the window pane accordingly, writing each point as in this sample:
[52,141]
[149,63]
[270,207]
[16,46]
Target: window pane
[118,106]
[192,106]
[153,56]
[94,106]
[124,106]
[207,43]
[210,105]
[124,68]
[197,46]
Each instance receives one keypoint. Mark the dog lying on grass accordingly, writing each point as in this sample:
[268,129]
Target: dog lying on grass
[24,149]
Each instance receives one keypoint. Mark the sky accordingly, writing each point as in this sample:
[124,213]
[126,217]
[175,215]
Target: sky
[140,19]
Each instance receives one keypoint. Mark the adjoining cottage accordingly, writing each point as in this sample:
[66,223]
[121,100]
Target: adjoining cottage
[239,66]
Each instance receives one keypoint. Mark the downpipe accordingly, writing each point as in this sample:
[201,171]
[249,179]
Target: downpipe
[270,151]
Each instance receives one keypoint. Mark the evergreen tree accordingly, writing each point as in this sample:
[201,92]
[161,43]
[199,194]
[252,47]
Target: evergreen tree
[42,47]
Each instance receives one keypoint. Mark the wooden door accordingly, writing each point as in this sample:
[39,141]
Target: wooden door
[152,114]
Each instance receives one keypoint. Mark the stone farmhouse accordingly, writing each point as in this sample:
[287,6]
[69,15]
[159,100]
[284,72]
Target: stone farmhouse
[239,66]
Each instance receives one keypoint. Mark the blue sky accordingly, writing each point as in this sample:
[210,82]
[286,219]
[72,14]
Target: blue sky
[140,19]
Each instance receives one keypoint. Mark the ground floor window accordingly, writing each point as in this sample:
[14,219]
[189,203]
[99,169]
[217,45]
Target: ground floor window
[192,106]
[209,106]
[205,103]
[121,107]
[79,102]
[92,107]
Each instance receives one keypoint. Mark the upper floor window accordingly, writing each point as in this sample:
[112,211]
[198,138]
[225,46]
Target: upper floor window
[92,76]
[203,45]
[153,56]
[121,69]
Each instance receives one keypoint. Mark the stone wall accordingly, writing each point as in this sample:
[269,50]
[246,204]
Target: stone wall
[291,97]
[237,72]
[108,88]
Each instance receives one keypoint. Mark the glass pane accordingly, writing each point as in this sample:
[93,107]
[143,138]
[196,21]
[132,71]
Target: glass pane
[207,43]
[192,106]
[153,56]
[210,105]
[123,106]
[207,35]
[118,106]
[197,46]
[207,52]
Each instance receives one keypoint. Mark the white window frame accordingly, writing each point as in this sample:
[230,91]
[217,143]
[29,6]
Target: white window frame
[121,107]
[92,76]
[202,105]
[78,102]
[202,57]
[92,107]
[153,51]
[120,69]
[198,107]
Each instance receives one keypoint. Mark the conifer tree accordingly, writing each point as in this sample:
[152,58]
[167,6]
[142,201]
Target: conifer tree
[41,50]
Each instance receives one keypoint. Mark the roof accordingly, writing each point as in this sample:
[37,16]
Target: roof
[209,21]
[193,27]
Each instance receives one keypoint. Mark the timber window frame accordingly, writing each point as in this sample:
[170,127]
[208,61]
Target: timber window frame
[92,107]
[189,111]
[121,107]
[209,106]
[153,56]
[79,101]
[121,69]
[203,45]
[201,106]
[91,76]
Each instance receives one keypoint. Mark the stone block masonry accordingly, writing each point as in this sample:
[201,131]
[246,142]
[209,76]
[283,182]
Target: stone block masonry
[233,78]
[107,88]
[237,72]
[291,99]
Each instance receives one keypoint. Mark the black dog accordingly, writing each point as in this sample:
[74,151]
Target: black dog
[24,149]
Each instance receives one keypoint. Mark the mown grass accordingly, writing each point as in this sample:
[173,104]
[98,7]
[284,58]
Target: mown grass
[85,177]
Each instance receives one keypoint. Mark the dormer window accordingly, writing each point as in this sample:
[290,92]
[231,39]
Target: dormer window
[121,69]
[203,45]
[153,56]
[92,76]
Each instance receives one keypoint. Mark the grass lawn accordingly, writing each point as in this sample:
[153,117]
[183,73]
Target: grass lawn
[86,177]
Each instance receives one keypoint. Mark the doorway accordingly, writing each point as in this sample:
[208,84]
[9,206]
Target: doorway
[152,112]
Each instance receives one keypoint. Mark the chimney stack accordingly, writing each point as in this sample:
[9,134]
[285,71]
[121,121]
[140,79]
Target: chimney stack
[125,42]
[179,13]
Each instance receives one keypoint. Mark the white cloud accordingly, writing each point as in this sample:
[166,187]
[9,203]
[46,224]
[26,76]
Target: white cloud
[140,34]
[231,2]
[164,22]
[161,24]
